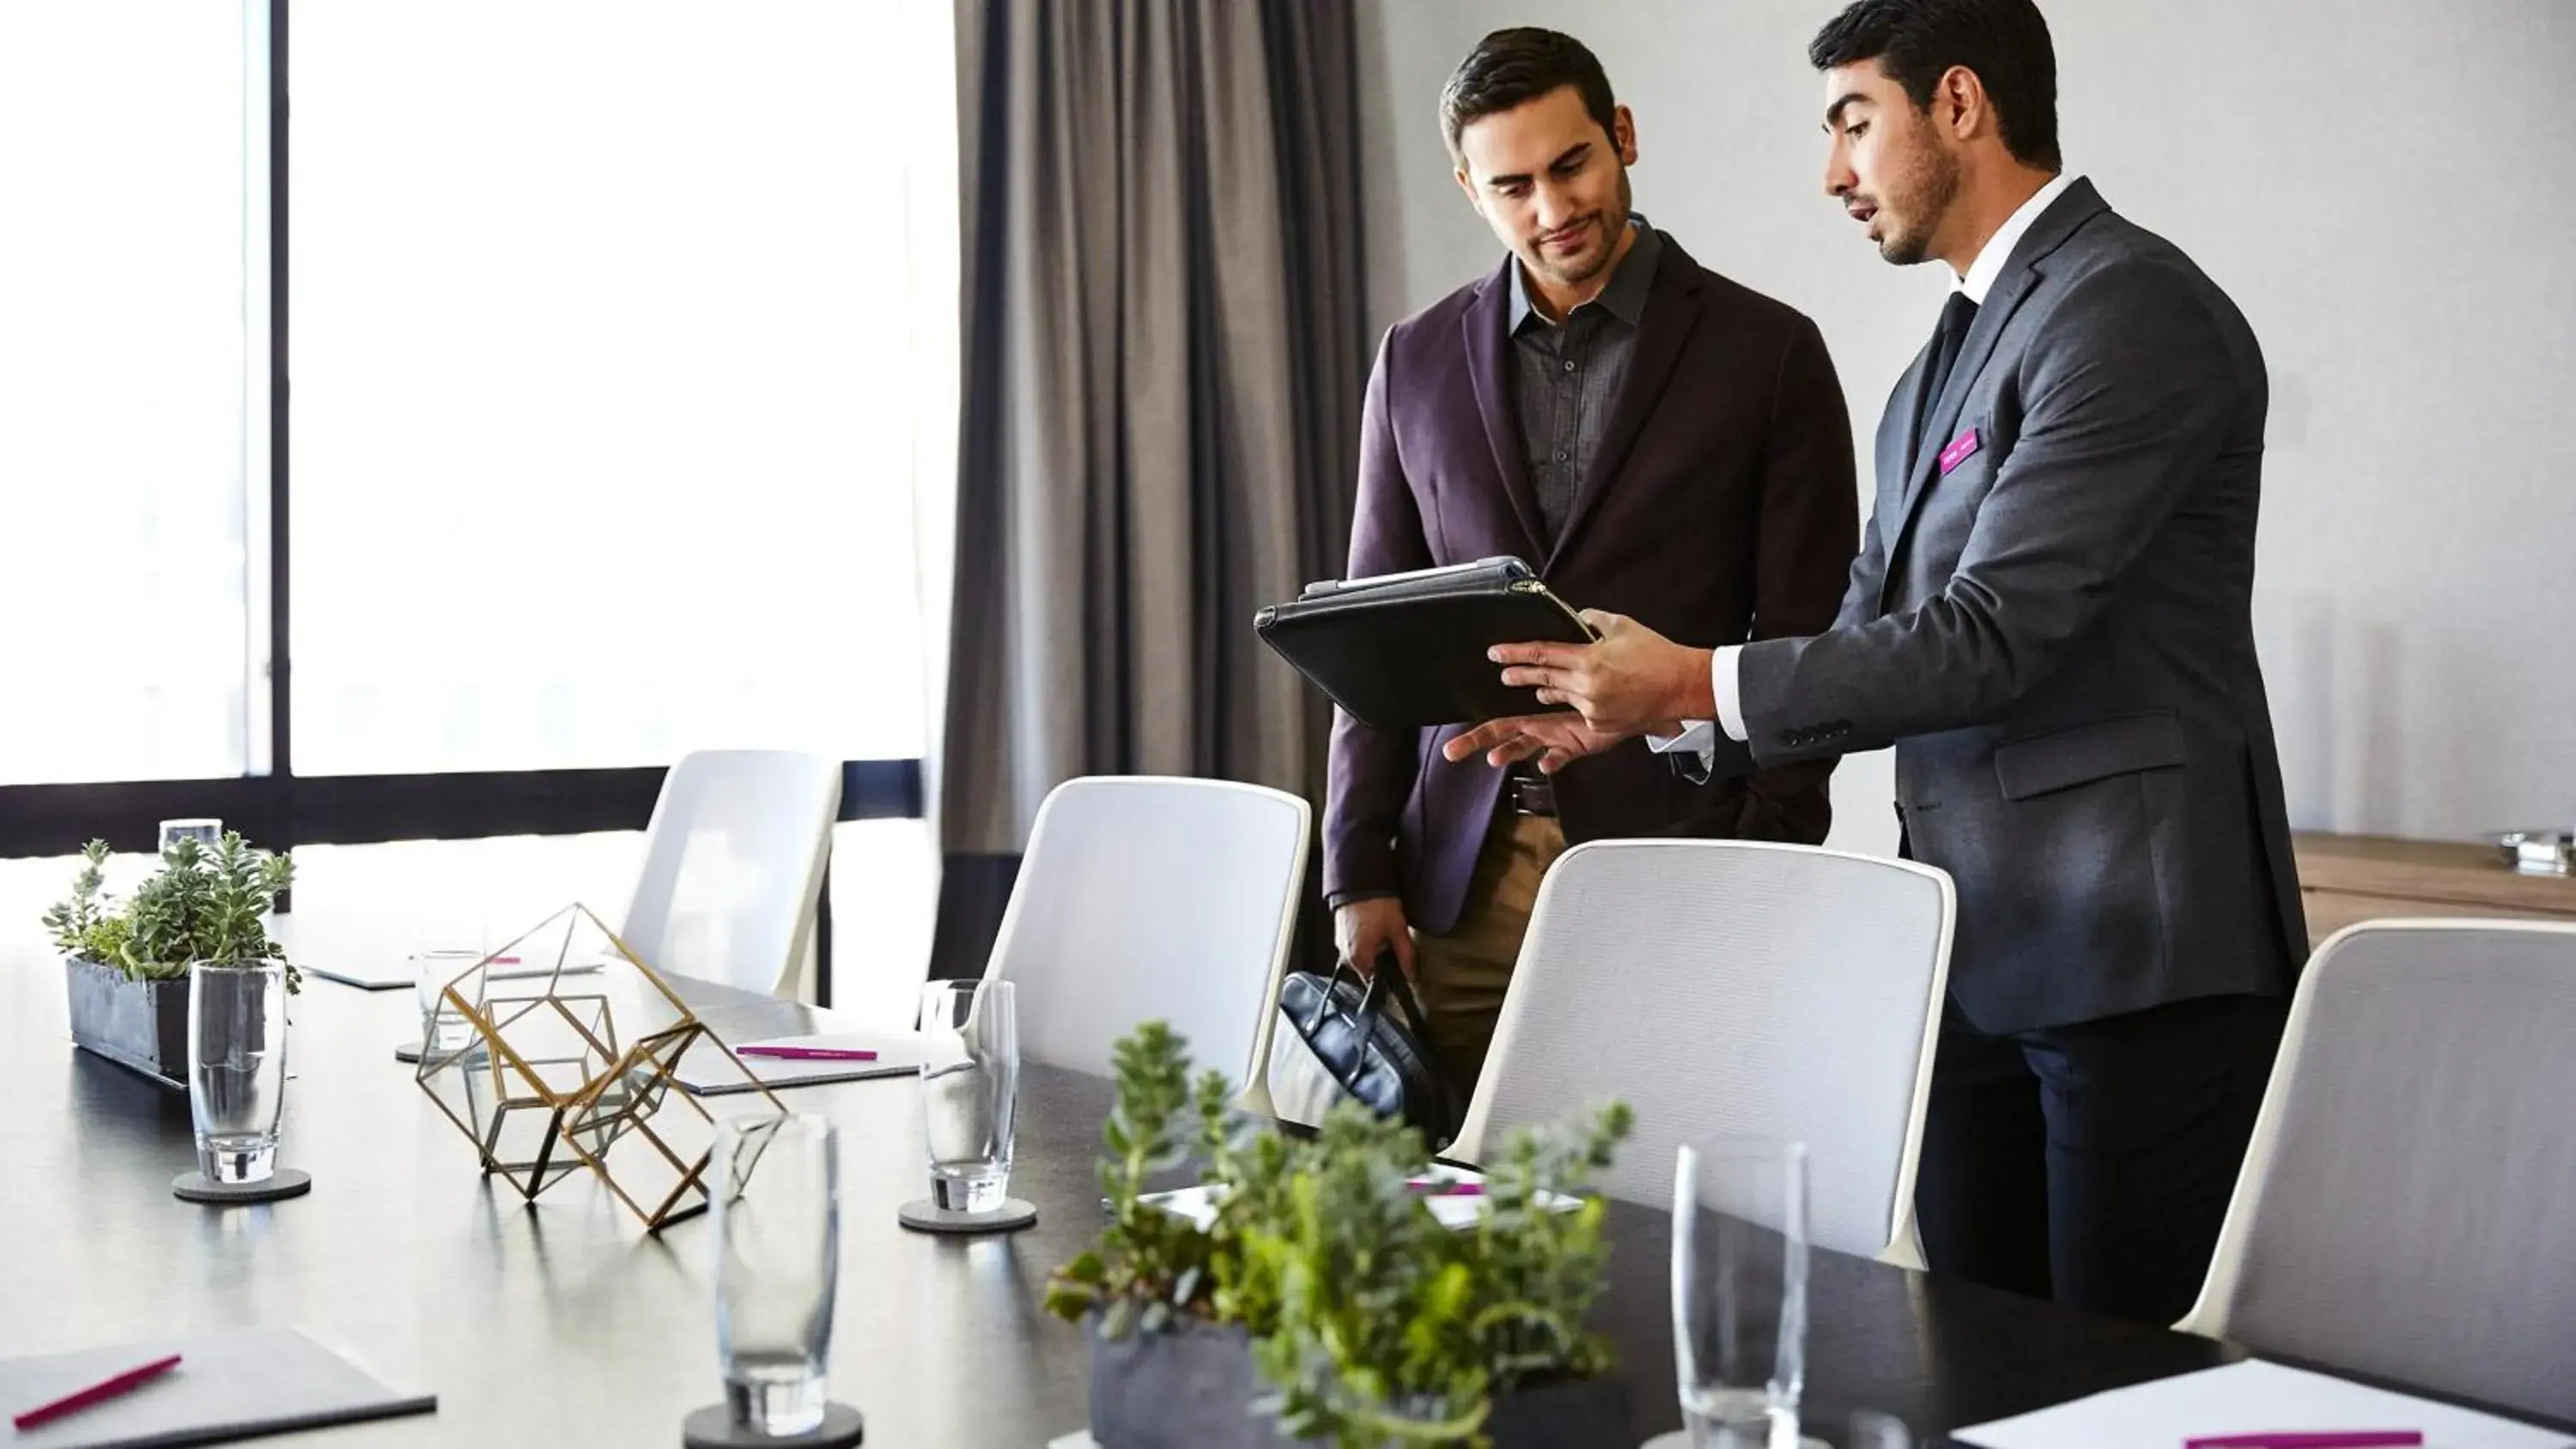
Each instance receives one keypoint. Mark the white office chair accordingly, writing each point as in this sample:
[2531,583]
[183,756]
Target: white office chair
[1729,986]
[1148,897]
[2408,1204]
[733,866]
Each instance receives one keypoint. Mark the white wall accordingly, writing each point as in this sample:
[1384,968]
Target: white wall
[2388,190]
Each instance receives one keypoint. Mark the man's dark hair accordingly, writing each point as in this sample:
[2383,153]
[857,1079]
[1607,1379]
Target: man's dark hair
[1512,67]
[1917,41]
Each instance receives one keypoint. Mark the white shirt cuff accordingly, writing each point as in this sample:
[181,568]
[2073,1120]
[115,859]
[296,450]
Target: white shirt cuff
[1695,737]
[1730,700]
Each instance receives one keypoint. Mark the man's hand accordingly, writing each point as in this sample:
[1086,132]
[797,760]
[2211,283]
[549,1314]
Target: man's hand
[1554,740]
[1367,930]
[1630,681]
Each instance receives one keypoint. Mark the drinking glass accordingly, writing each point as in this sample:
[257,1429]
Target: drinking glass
[778,1257]
[970,1083]
[237,1067]
[1740,1290]
[208,833]
[443,1027]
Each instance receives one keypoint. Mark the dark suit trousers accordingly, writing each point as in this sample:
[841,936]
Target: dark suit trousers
[2093,1163]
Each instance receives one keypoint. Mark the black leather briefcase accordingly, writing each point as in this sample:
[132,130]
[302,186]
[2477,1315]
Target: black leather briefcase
[1358,1038]
[1405,651]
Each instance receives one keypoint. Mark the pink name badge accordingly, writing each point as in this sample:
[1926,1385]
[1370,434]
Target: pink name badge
[1961,449]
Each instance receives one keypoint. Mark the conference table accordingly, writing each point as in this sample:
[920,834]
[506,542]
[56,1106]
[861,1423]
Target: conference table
[566,1323]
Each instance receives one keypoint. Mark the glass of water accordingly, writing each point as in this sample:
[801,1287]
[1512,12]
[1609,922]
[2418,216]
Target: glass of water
[970,1085]
[208,833]
[1740,1290]
[237,1067]
[444,1027]
[778,1257]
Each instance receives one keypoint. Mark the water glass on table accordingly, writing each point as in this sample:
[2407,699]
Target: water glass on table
[444,1026]
[778,1257]
[208,833]
[1740,1291]
[237,1068]
[970,1081]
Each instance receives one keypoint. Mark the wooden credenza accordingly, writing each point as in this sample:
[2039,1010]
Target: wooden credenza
[2349,878]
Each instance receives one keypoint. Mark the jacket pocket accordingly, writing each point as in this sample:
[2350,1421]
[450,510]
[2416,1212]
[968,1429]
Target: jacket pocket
[2080,754]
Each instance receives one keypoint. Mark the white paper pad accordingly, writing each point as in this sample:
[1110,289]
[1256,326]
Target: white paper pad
[705,1073]
[1454,1210]
[2248,1398]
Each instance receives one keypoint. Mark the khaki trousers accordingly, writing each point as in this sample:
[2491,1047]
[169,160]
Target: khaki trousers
[1462,976]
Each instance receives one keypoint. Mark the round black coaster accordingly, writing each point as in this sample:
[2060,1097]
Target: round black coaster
[713,1428]
[1681,1439]
[924,1216]
[410,1052]
[285,1182]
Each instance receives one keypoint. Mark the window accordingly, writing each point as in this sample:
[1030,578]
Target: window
[623,333]
[133,390]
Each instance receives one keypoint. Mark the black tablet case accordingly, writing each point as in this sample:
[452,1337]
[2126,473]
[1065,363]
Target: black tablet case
[1406,651]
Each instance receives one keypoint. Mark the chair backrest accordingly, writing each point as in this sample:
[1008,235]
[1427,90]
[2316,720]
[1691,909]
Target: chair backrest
[1726,986]
[733,865]
[2408,1204]
[1147,897]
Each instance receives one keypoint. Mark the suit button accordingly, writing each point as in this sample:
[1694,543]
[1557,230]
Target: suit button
[1791,739]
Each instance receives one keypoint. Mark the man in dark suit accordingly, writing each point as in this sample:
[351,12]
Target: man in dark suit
[1652,438]
[2050,620]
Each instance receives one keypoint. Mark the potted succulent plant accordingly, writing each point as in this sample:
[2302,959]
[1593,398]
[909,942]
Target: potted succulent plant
[127,963]
[1321,1301]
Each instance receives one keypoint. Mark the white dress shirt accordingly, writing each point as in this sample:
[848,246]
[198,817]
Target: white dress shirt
[1980,280]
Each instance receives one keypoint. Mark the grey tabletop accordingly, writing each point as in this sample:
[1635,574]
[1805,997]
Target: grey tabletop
[566,1323]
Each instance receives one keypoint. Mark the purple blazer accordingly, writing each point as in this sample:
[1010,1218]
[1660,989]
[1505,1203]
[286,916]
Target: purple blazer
[1720,508]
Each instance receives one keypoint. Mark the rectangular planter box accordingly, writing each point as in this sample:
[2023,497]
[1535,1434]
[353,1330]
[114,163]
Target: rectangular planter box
[1189,1389]
[138,1024]
[1194,1389]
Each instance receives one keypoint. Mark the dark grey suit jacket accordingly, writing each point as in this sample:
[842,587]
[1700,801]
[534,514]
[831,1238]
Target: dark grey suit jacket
[2050,620]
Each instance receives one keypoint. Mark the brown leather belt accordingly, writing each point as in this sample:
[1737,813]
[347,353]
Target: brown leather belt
[1529,795]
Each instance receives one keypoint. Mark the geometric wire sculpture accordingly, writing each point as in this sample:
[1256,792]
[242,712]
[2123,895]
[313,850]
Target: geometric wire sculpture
[578,1068]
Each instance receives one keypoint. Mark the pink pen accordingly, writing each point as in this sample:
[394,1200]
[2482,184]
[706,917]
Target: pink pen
[2313,1439]
[1439,1188]
[808,1054]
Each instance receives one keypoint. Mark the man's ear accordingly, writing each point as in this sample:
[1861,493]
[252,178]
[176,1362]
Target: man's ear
[1623,135]
[1963,96]
[1469,187]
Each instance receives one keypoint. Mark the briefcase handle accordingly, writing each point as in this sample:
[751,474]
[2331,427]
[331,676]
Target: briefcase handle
[1389,979]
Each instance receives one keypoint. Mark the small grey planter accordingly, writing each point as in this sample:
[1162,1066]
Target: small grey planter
[138,1024]
[1186,1389]
[1194,1389]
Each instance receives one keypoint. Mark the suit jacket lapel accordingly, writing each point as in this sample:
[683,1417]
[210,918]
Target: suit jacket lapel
[1481,329]
[1663,330]
[1932,431]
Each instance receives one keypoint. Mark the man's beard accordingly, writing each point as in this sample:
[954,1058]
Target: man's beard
[1927,194]
[1613,222]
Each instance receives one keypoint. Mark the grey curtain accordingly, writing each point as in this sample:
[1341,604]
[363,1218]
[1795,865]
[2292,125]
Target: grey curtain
[1165,349]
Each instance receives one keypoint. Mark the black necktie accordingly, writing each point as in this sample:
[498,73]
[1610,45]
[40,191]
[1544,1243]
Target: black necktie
[1957,315]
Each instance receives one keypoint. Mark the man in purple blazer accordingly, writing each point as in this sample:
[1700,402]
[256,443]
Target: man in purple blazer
[1656,440]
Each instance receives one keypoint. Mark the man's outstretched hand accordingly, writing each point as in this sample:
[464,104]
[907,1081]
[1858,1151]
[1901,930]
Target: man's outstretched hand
[1631,681]
[1554,740]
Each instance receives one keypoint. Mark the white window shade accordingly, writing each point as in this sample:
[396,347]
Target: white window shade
[133,362]
[611,393]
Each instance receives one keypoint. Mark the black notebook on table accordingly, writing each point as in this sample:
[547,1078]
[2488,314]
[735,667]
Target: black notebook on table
[1407,651]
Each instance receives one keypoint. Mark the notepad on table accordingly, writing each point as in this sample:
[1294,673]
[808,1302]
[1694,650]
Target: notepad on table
[704,1072]
[1455,1195]
[2248,1398]
[230,1384]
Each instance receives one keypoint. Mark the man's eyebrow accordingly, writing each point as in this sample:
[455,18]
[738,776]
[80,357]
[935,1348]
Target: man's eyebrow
[1842,103]
[1572,153]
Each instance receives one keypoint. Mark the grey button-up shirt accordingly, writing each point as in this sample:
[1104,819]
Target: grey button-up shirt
[1566,378]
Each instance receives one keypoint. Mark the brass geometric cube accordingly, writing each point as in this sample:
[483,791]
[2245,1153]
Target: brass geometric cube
[579,1068]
